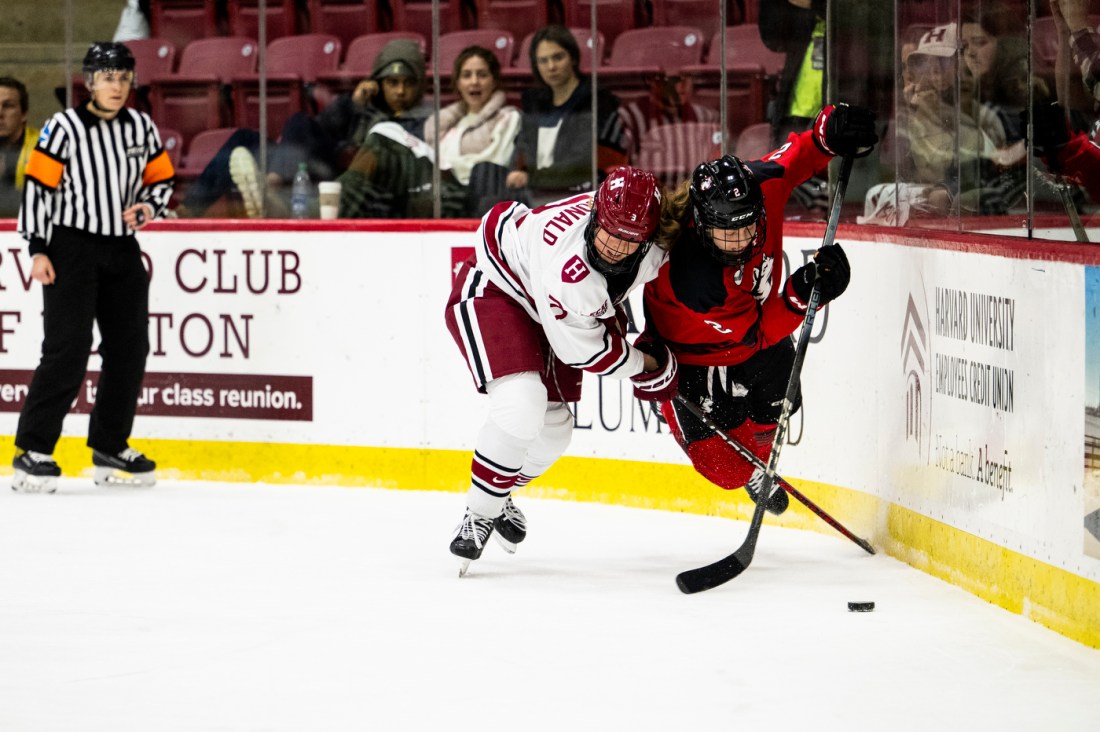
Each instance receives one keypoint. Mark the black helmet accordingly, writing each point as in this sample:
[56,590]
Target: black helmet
[106,55]
[725,195]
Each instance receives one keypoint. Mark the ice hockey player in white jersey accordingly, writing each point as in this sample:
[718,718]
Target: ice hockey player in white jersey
[539,303]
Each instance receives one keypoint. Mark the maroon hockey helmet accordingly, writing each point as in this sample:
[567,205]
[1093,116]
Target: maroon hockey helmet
[627,205]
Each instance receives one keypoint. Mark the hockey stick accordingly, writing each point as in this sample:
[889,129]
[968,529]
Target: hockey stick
[759,464]
[725,569]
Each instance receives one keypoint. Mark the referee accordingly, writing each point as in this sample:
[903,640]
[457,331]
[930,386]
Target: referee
[98,174]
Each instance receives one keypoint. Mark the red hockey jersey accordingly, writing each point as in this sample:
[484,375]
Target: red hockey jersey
[715,315]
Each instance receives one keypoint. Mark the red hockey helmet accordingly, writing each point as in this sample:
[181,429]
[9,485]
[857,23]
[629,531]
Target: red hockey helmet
[627,205]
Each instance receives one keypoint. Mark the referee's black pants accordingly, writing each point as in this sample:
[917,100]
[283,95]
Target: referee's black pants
[100,279]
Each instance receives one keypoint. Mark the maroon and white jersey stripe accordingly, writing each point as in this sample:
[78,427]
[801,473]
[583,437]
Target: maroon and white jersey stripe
[539,258]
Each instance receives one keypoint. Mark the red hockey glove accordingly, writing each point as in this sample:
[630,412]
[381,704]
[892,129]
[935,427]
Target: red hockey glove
[844,130]
[833,272]
[659,385]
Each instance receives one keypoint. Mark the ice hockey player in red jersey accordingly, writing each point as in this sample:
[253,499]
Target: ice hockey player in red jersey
[719,306]
[539,303]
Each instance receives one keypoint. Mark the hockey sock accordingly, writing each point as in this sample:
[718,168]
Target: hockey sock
[517,408]
[719,463]
[553,439]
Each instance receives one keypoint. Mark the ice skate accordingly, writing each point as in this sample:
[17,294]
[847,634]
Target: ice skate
[778,501]
[469,539]
[511,527]
[128,467]
[246,176]
[35,472]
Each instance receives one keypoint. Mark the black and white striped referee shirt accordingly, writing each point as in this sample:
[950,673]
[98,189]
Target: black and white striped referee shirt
[85,171]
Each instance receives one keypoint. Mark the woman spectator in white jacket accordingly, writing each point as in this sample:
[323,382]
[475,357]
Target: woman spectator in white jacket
[477,136]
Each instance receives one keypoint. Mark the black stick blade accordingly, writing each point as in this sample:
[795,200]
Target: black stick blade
[712,575]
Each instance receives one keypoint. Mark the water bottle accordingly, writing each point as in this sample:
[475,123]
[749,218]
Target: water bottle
[299,193]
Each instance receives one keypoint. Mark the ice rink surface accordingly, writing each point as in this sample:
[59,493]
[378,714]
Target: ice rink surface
[217,606]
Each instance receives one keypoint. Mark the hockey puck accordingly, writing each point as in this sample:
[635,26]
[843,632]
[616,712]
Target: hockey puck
[861,607]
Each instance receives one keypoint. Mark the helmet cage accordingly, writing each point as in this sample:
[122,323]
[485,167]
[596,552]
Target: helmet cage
[601,265]
[725,195]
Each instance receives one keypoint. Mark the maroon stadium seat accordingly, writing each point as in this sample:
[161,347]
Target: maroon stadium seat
[416,15]
[501,43]
[744,45]
[345,19]
[153,57]
[182,21]
[669,47]
[518,17]
[672,151]
[612,16]
[244,18]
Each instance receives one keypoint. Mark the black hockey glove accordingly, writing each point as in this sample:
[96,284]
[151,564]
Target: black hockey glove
[661,384]
[844,130]
[833,273]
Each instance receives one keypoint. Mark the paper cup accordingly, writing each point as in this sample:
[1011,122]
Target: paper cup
[329,194]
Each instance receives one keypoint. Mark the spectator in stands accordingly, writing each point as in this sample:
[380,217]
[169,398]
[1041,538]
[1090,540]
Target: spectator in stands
[938,139]
[554,147]
[133,24]
[796,28]
[16,142]
[477,136]
[996,84]
[327,144]
[392,163]
[670,100]
[1083,43]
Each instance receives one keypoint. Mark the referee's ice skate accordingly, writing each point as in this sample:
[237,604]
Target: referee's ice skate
[128,467]
[35,472]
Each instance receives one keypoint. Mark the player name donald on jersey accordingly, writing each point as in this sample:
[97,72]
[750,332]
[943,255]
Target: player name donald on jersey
[540,259]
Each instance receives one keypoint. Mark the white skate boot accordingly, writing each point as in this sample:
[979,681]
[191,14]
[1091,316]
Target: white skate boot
[128,467]
[35,472]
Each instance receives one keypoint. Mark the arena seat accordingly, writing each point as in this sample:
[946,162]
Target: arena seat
[244,18]
[672,151]
[669,47]
[345,19]
[172,141]
[182,21]
[755,141]
[153,57]
[612,16]
[190,100]
[702,14]
[518,17]
[416,15]
[308,55]
[284,95]
[744,45]
[501,43]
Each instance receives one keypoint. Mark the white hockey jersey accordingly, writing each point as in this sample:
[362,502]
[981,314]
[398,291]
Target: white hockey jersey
[540,259]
